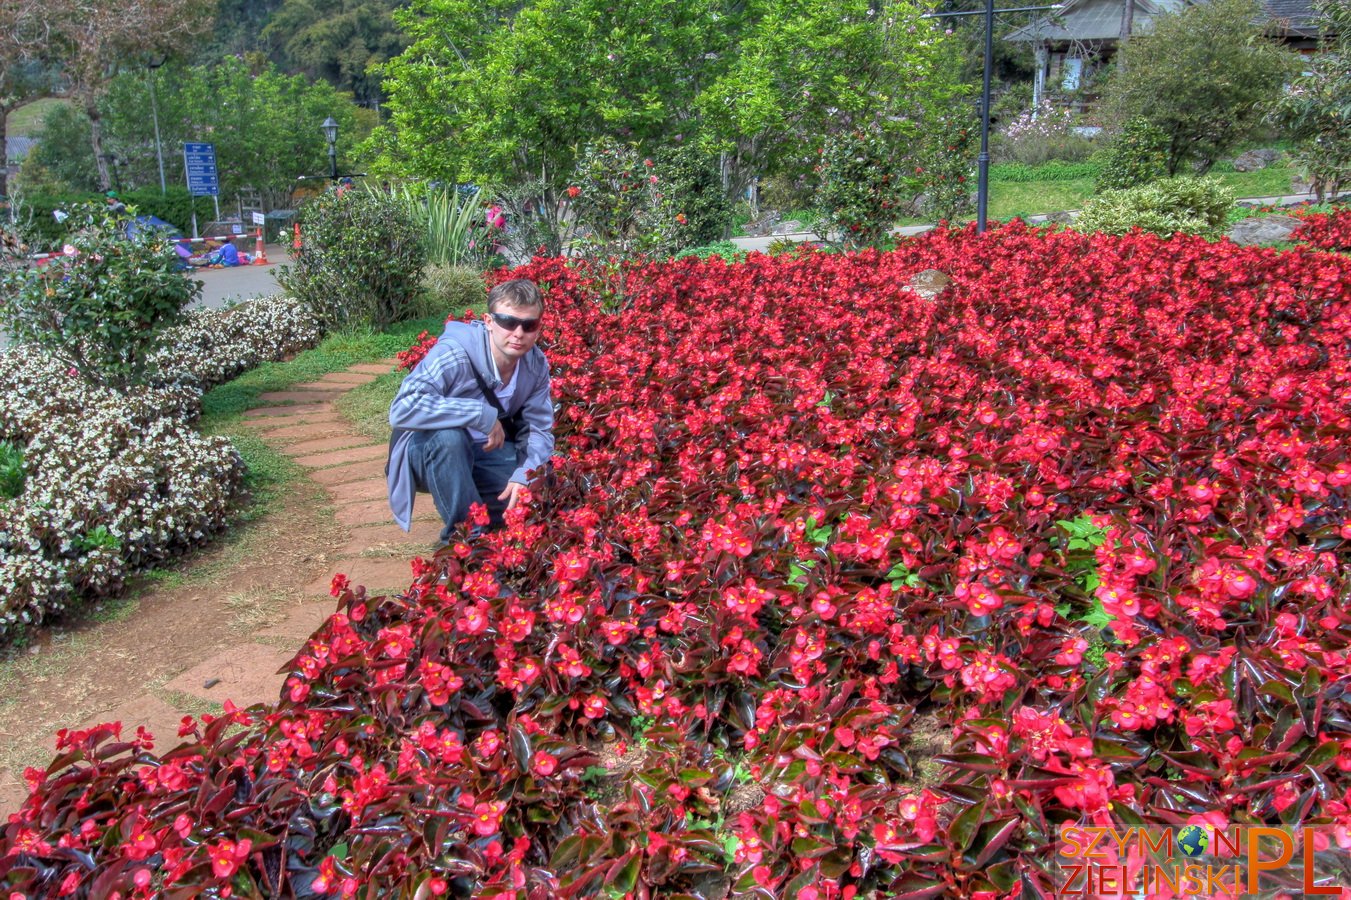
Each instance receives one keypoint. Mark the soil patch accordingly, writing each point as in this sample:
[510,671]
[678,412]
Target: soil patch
[224,622]
[72,675]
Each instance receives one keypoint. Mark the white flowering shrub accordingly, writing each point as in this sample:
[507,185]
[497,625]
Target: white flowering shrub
[215,345]
[1040,135]
[113,482]
[116,481]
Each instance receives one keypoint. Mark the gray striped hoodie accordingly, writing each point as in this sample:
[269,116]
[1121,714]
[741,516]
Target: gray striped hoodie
[441,392]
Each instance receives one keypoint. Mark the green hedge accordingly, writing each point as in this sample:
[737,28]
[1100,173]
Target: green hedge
[174,207]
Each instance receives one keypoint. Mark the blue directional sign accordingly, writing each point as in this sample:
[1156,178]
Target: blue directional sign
[200,162]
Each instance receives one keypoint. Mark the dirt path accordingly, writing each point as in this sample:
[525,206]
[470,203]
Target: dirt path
[222,624]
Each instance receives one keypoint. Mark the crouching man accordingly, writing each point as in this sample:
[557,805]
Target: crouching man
[475,415]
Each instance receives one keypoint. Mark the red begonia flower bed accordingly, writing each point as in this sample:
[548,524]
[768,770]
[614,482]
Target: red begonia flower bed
[835,589]
[1327,231]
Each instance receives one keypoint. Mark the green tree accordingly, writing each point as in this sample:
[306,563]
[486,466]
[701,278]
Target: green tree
[336,42]
[93,42]
[1206,76]
[806,70]
[1317,108]
[63,152]
[500,92]
[103,306]
[265,126]
[238,31]
[22,75]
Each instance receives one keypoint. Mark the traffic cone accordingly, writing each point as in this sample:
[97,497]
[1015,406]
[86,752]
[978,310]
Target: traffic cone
[260,252]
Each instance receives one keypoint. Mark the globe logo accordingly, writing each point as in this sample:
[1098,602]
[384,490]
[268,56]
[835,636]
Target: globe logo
[1193,841]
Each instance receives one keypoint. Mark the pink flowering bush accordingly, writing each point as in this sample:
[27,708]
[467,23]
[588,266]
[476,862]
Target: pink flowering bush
[836,590]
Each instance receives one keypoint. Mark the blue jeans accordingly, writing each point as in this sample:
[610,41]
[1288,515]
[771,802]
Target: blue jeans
[458,472]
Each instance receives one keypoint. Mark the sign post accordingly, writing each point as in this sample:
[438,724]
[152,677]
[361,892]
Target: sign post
[199,162]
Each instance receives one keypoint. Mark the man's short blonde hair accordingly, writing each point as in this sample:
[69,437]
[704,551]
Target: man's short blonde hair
[517,293]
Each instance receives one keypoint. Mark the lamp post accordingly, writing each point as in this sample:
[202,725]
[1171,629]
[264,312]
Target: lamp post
[983,160]
[330,129]
[154,115]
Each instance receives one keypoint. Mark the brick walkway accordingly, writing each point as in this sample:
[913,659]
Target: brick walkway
[304,425]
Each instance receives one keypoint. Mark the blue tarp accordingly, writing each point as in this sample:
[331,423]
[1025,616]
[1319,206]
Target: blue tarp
[151,223]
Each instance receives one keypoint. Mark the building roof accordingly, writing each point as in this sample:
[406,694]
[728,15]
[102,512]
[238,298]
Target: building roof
[17,147]
[1099,20]
[1293,18]
[1089,20]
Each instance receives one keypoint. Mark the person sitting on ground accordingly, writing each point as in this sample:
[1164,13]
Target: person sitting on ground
[227,255]
[474,418]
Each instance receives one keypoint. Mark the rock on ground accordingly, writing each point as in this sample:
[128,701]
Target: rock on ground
[1263,230]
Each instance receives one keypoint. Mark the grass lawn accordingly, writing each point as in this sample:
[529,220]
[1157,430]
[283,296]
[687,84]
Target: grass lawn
[27,119]
[1019,198]
[1009,199]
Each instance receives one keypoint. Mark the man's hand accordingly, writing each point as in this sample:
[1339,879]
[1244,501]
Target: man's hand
[512,493]
[496,438]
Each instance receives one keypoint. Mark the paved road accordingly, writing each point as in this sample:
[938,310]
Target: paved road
[220,286]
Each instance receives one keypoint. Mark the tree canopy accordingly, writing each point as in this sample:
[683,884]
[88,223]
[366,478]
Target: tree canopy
[338,42]
[91,41]
[265,126]
[1317,108]
[492,90]
[1206,75]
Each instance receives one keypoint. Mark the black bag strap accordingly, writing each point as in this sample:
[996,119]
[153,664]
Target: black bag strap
[488,394]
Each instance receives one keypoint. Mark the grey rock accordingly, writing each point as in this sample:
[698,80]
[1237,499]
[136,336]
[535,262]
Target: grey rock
[792,226]
[930,283]
[1255,159]
[1263,230]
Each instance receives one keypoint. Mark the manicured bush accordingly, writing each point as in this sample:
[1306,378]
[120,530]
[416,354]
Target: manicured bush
[693,197]
[45,234]
[863,183]
[451,289]
[360,260]
[1138,154]
[789,621]
[1191,205]
[116,481]
[616,197]
[944,171]
[102,305]
[112,482]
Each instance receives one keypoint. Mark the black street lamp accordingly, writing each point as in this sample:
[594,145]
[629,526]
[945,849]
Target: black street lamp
[983,161]
[330,129]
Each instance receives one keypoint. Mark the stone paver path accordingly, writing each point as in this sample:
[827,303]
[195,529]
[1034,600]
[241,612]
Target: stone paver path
[303,424]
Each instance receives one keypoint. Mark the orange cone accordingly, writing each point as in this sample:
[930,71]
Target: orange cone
[260,252]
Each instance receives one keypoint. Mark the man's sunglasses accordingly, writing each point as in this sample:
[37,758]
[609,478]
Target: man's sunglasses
[511,323]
